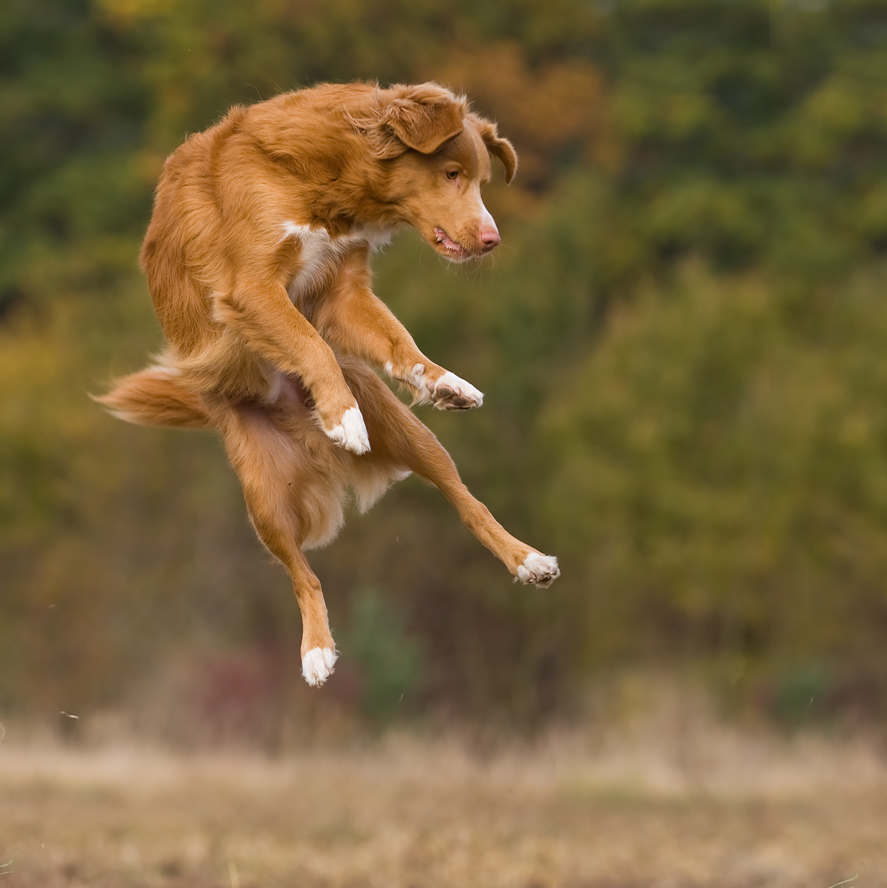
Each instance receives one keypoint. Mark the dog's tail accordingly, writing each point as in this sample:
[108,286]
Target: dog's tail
[156,397]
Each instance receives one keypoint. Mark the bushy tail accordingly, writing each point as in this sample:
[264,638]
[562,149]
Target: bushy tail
[155,397]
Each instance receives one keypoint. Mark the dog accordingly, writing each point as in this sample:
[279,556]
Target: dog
[257,258]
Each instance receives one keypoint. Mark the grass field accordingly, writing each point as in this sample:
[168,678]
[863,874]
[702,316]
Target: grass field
[710,808]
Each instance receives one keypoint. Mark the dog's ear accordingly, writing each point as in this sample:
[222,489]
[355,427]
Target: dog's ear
[497,145]
[424,117]
[420,117]
[504,150]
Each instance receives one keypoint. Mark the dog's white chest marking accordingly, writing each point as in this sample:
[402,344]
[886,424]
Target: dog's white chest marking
[320,253]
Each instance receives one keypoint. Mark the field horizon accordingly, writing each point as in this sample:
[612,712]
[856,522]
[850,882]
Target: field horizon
[654,804]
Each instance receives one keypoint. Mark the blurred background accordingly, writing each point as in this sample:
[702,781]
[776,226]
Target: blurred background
[681,341]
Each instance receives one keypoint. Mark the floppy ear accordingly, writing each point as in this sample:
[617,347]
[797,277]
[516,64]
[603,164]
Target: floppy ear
[497,145]
[504,150]
[424,117]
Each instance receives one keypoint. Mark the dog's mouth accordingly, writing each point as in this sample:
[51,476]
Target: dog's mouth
[450,248]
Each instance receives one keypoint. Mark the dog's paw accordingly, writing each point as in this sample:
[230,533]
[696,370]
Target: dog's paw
[447,392]
[351,432]
[318,665]
[540,570]
[451,393]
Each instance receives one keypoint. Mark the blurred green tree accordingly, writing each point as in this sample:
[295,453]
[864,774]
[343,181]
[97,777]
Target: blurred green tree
[680,341]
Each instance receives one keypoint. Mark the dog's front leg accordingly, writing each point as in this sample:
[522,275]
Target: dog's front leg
[271,325]
[434,385]
[356,322]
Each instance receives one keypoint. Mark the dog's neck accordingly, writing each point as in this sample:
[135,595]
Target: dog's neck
[355,204]
[335,187]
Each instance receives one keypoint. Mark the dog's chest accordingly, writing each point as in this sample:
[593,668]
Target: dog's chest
[320,256]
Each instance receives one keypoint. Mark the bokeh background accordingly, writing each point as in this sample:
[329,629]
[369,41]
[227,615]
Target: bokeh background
[681,341]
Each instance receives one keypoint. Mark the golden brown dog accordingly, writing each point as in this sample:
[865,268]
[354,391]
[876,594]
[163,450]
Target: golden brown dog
[257,257]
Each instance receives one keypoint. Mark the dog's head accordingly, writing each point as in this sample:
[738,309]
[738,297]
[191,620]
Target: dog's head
[439,155]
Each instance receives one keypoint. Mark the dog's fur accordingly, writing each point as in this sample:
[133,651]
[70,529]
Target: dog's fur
[257,257]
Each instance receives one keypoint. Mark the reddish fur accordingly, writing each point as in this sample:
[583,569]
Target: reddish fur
[271,364]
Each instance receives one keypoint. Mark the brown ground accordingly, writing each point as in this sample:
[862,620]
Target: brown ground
[713,809]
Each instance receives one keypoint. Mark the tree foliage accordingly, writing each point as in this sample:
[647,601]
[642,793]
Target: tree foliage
[680,340]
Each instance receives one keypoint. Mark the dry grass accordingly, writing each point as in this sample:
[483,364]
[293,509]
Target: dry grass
[648,808]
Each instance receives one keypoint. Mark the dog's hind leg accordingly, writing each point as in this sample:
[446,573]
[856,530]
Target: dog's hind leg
[269,464]
[403,440]
[429,460]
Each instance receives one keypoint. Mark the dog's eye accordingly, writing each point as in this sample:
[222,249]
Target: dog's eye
[452,175]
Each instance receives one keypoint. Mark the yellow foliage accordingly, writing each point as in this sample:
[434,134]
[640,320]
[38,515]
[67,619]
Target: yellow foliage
[131,12]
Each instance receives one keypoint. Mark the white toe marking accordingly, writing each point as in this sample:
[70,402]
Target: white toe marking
[318,665]
[351,432]
[540,570]
[464,391]
[461,388]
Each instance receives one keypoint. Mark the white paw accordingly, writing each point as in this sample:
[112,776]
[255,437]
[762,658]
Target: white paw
[449,392]
[452,393]
[318,665]
[540,570]
[351,432]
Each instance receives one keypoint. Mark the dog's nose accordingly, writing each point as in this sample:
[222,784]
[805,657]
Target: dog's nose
[489,237]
